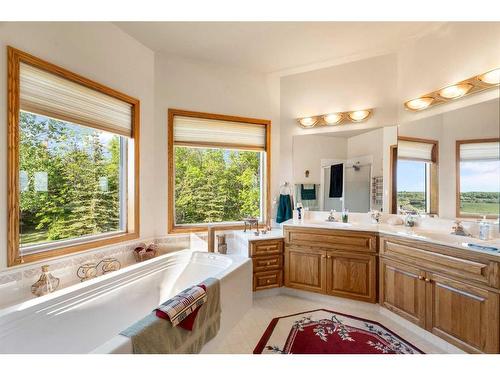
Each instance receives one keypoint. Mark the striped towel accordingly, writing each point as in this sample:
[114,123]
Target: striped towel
[179,307]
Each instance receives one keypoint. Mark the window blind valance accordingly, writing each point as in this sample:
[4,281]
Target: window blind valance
[410,150]
[480,151]
[193,131]
[50,95]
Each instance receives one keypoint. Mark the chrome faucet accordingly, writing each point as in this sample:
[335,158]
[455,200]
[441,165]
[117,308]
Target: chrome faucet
[331,217]
[459,230]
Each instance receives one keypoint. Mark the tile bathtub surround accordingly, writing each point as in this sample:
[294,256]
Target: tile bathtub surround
[15,282]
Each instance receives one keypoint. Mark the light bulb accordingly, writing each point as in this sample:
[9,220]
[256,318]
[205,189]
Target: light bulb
[308,122]
[492,77]
[419,104]
[357,116]
[332,118]
[455,91]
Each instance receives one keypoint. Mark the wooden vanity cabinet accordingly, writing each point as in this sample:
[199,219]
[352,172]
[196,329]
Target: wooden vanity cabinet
[402,290]
[305,268]
[331,261]
[267,258]
[455,298]
[351,275]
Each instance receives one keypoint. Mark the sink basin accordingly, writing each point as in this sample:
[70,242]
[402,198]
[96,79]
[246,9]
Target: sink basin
[335,224]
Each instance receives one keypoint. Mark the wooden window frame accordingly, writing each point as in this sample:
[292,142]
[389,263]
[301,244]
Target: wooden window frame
[434,175]
[458,143]
[15,57]
[171,226]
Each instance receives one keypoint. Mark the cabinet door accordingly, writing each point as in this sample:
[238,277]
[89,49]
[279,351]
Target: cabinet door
[464,315]
[351,275]
[305,269]
[402,290]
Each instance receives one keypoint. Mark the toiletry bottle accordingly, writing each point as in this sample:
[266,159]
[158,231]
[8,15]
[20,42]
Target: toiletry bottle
[345,215]
[484,229]
[299,211]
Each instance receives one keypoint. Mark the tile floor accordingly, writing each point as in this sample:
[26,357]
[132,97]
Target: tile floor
[273,303]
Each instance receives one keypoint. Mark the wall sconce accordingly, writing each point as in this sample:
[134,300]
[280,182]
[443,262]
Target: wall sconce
[466,87]
[336,118]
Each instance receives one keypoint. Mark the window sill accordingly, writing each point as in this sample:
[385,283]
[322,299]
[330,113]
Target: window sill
[71,249]
[203,228]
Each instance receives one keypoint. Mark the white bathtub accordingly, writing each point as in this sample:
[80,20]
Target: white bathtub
[88,317]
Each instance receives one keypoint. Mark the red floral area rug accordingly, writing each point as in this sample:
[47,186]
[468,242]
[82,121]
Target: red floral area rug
[329,332]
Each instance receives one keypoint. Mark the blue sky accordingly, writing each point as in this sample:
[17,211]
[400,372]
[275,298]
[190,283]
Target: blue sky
[411,176]
[475,176]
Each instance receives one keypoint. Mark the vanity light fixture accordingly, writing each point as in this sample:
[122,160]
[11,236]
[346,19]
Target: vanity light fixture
[468,86]
[455,91]
[491,78]
[308,122]
[334,118]
[358,116]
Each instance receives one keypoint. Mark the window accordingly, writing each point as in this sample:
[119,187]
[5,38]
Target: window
[73,162]
[218,170]
[478,178]
[413,186]
[417,182]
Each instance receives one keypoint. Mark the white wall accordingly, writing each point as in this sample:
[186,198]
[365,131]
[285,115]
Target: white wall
[455,52]
[99,51]
[308,150]
[197,86]
[472,122]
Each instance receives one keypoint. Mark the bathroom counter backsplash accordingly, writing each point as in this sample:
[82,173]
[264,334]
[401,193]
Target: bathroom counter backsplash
[16,282]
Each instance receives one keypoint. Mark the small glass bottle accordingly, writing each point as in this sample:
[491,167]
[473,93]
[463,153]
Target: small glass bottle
[46,283]
[345,215]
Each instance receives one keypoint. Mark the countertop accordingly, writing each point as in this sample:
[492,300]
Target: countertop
[438,237]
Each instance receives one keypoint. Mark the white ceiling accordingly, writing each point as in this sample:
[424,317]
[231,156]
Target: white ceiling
[274,46]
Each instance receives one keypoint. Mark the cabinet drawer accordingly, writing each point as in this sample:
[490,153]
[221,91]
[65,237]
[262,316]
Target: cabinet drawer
[332,239]
[432,258]
[270,247]
[268,279]
[267,263]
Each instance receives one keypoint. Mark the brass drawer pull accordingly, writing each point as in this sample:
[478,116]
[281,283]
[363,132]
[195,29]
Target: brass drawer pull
[421,278]
[427,280]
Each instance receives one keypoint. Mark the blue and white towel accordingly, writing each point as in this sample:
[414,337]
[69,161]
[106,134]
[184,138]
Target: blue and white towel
[179,307]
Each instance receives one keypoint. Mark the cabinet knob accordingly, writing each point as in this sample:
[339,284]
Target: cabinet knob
[427,280]
[323,256]
[421,278]
[268,263]
[268,281]
[329,256]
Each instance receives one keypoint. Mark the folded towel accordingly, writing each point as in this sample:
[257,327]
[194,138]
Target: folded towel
[152,335]
[308,194]
[179,307]
[187,322]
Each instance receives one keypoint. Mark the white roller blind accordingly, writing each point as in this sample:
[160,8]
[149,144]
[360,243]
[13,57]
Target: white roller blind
[480,151]
[415,150]
[48,94]
[216,133]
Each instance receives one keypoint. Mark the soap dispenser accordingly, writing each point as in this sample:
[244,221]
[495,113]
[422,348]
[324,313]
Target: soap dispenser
[484,229]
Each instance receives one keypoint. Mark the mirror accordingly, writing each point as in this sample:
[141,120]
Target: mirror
[448,164]
[343,169]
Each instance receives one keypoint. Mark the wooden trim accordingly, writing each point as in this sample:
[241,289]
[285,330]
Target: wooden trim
[15,57]
[458,143]
[434,173]
[171,227]
[393,175]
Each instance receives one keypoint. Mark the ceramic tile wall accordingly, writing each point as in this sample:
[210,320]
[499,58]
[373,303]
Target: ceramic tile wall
[15,283]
